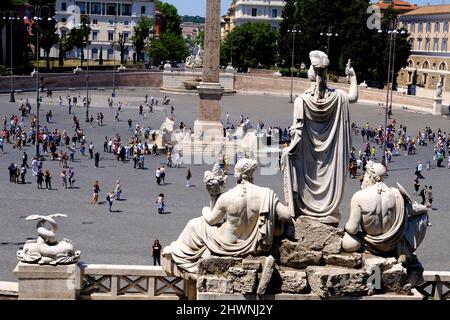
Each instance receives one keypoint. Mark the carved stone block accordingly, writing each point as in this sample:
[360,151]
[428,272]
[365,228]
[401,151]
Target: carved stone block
[294,255]
[317,236]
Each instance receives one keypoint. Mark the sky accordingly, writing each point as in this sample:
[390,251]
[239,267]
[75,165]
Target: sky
[197,7]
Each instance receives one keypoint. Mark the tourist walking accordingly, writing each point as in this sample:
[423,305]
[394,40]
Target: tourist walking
[48,180]
[91,150]
[156,253]
[40,179]
[422,194]
[158,176]
[118,190]
[23,171]
[97,159]
[163,175]
[95,191]
[430,197]
[416,187]
[188,177]
[63,176]
[160,203]
[110,200]
[70,177]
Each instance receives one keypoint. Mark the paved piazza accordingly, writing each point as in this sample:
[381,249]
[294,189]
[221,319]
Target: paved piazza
[125,237]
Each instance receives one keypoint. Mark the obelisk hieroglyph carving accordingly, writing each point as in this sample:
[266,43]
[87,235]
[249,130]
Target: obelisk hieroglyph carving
[210,91]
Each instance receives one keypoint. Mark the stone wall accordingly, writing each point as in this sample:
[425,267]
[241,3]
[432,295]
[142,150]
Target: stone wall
[282,86]
[96,80]
[174,79]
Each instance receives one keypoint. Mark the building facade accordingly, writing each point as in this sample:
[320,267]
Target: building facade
[191,30]
[243,11]
[107,20]
[428,27]
[398,5]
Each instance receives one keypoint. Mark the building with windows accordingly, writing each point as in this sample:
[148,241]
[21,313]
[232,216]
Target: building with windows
[398,5]
[108,19]
[242,11]
[428,27]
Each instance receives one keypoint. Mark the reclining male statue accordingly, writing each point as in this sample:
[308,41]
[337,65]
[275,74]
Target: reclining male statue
[385,221]
[252,217]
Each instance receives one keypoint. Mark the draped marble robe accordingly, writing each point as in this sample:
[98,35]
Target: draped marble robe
[253,233]
[315,164]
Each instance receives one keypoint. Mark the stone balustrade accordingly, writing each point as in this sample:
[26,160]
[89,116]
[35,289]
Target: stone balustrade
[123,282]
[126,282]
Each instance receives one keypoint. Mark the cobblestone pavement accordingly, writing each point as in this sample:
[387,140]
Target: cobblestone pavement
[125,236]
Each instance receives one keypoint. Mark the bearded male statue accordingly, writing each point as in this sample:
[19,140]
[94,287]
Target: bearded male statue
[241,221]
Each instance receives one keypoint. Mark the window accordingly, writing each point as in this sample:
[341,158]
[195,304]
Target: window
[444,45]
[143,10]
[110,54]
[436,44]
[426,65]
[411,43]
[126,23]
[420,27]
[419,44]
[428,27]
[126,9]
[110,36]
[443,66]
[111,22]
[82,6]
[126,36]
[63,6]
[425,77]
[94,53]
[94,35]
[437,27]
[111,9]
[274,13]
[413,28]
[427,44]
[96,8]
[445,26]
[94,21]
[254,12]
[410,64]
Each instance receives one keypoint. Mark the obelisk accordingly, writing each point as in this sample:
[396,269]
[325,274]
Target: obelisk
[208,123]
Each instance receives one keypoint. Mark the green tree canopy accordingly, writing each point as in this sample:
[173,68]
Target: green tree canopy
[141,34]
[78,37]
[171,20]
[169,47]
[368,50]
[249,45]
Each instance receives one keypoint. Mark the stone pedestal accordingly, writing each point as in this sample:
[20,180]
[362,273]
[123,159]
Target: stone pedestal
[208,124]
[438,108]
[45,282]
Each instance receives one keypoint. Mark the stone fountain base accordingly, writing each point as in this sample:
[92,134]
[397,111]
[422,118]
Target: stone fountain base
[309,265]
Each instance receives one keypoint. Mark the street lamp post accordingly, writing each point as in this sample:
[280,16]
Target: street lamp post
[392,32]
[37,17]
[87,78]
[329,35]
[114,57]
[294,30]
[11,19]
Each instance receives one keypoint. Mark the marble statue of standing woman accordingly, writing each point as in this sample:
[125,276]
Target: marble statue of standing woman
[315,164]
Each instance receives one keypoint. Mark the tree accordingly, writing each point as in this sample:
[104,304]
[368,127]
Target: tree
[169,47]
[250,45]
[61,53]
[122,47]
[78,37]
[47,38]
[100,57]
[367,49]
[171,21]
[140,37]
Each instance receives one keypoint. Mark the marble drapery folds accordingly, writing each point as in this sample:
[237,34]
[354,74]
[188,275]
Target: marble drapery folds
[315,164]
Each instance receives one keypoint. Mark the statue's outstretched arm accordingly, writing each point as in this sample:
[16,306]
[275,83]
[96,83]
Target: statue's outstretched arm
[214,216]
[354,222]
[353,94]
